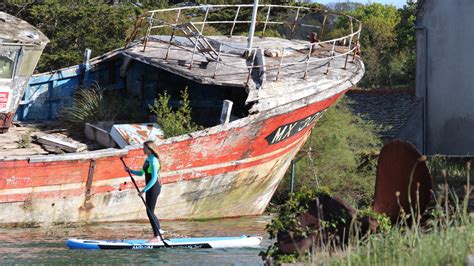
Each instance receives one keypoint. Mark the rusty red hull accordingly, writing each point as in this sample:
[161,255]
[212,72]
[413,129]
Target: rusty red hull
[5,122]
[229,173]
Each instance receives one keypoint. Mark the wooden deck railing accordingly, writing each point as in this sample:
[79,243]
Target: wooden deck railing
[174,18]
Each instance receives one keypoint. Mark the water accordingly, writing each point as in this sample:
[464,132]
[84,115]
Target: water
[47,245]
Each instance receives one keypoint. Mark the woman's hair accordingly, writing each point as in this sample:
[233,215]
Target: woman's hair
[150,144]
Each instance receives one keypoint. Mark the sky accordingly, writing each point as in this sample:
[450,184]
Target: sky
[397,3]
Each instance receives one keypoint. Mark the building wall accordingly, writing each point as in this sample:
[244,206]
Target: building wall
[412,130]
[445,75]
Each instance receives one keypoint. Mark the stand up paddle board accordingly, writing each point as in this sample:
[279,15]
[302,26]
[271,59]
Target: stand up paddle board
[196,242]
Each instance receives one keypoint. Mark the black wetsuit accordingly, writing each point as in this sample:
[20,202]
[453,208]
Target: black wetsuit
[151,198]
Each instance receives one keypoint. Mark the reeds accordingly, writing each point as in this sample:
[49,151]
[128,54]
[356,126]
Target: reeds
[442,235]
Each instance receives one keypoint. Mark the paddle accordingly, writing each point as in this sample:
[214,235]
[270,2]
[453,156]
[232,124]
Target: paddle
[153,217]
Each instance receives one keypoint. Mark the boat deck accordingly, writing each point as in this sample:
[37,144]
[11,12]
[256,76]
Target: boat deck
[232,68]
[21,140]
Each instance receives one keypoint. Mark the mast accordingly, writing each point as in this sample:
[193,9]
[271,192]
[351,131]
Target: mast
[252,26]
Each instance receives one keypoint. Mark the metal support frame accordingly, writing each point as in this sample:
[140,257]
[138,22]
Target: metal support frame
[324,24]
[350,44]
[251,68]
[332,54]
[281,61]
[266,21]
[169,45]
[307,61]
[87,194]
[192,56]
[177,16]
[204,21]
[148,30]
[292,184]
[235,20]
[294,22]
[217,61]
[252,25]
[200,43]
[357,48]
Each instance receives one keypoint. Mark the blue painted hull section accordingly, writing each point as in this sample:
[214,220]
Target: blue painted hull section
[47,93]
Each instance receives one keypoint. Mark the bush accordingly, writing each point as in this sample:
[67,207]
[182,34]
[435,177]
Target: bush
[340,154]
[173,122]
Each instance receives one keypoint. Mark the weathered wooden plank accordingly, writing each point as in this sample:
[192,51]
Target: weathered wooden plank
[78,156]
[29,151]
[62,143]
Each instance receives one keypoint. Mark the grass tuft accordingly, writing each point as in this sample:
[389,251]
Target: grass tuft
[94,104]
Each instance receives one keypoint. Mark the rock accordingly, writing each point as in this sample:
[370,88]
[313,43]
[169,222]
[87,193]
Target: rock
[330,216]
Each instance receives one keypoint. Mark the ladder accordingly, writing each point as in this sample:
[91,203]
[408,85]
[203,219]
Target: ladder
[197,39]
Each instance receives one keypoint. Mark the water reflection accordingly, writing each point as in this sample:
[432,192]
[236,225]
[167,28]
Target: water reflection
[47,245]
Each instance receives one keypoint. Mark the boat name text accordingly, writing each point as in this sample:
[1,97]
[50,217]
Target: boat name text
[285,131]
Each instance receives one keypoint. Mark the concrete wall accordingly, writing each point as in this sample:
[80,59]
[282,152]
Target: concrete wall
[445,75]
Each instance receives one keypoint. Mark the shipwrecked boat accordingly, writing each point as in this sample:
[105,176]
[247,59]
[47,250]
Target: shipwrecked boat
[257,100]
[21,46]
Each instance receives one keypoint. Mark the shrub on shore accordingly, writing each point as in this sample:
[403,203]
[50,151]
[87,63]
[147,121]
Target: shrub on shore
[340,154]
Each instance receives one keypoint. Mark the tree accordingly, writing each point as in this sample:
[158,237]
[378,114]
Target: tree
[387,41]
[403,64]
[76,25]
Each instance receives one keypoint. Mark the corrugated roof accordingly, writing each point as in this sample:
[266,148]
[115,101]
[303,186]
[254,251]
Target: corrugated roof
[388,109]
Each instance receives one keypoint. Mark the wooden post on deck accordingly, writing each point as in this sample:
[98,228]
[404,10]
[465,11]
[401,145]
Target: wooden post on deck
[226,111]
[86,66]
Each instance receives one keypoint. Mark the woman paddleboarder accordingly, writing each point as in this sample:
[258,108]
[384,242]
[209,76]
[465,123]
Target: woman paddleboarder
[151,168]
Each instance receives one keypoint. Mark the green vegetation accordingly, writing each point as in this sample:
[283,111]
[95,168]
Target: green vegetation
[340,154]
[287,220]
[25,140]
[91,104]
[387,41]
[298,203]
[444,235]
[445,239]
[174,122]
[73,26]
[383,221]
